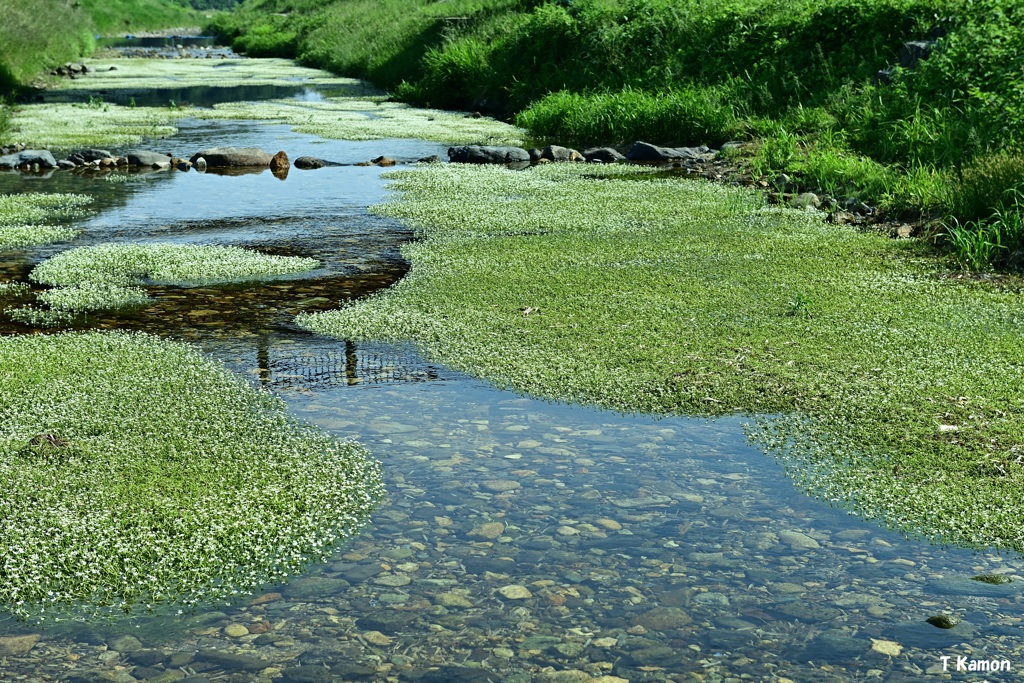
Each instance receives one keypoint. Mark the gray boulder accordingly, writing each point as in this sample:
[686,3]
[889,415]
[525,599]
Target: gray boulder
[644,151]
[143,159]
[233,157]
[558,153]
[605,155]
[29,157]
[307,163]
[480,154]
[85,156]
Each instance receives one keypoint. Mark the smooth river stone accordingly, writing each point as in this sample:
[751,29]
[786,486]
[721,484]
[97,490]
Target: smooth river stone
[236,630]
[515,592]
[797,540]
[644,502]
[18,645]
[453,600]
[501,485]
[490,530]
[392,580]
[664,619]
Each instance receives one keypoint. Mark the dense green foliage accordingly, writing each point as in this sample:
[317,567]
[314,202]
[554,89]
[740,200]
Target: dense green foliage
[799,78]
[125,16]
[134,470]
[37,35]
[901,387]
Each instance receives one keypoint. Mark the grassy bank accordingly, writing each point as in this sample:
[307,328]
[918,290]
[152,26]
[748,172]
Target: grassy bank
[616,287]
[800,80]
[135,472]
[38,35]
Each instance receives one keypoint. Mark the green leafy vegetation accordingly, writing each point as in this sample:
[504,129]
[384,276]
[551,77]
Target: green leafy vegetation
[38,35]
[111,17]
[106,276]
[62,126]
[21,216]
[41,34]
[134,471]
[800,79]
[899,388]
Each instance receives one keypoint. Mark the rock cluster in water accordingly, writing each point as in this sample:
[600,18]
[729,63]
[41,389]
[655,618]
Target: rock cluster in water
[701,161]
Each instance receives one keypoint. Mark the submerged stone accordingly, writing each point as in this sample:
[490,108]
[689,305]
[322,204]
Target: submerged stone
[943,621]
[664,619]
[18,645]
[992,579]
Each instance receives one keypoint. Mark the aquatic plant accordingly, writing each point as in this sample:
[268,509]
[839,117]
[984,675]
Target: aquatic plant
[348,118]
[68,126]
[93,296]
[13,288]
[134,471]
[37,316]
[20,215]
[106,275]
[616,287]
[141,74]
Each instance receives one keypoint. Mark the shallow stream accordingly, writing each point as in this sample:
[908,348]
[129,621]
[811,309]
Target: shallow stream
[521,540]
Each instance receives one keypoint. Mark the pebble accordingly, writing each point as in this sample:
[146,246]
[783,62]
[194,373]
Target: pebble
[501,485]
[515,592]
[376,638]
[490,530]
[236,630]
[125,643]
[798,540]
[453,600]
[392,580]
[18,645]
[609,524]
[664,619]
[886,647]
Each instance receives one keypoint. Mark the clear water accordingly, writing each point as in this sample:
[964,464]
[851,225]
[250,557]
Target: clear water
[521,540]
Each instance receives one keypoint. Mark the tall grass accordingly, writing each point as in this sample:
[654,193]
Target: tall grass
[984,225]
[120,16]
[39,34]
[36,35]
[684,115]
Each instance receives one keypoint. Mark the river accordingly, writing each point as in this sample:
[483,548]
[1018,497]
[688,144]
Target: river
[521,540]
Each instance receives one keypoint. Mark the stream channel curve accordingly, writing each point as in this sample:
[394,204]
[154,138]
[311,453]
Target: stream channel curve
[521,541]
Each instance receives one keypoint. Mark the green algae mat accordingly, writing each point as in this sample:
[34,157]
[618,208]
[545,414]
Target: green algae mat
[883,382]
[350,109]
[136,472]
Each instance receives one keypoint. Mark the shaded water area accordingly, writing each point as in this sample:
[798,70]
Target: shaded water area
[521,540]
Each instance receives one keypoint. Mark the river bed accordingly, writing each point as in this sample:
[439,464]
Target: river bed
[521,540]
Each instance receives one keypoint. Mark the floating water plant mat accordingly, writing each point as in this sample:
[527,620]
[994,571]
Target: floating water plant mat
[105,276]
[900,389]
[21,218]
[355,111]
[134,470]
